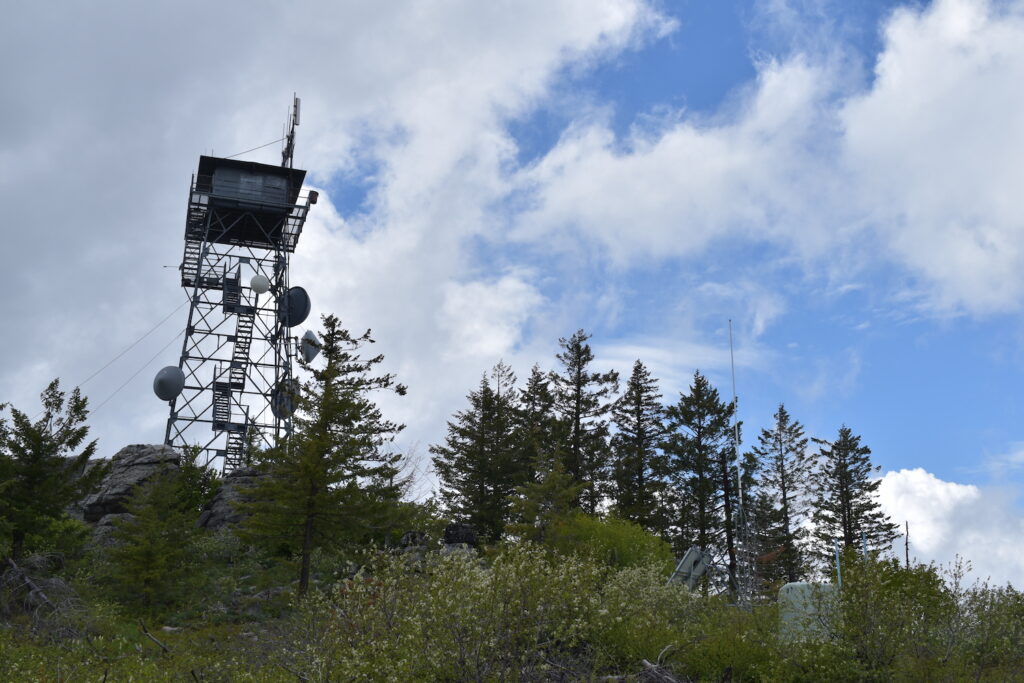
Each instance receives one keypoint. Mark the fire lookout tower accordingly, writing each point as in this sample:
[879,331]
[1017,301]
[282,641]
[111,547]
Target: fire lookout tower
[233,385]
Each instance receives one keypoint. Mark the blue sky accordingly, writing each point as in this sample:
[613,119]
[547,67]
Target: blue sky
[923,391]
[840,179]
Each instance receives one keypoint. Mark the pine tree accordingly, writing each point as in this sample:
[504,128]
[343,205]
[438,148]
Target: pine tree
[582,399]
[702,454]
[538,504]
[538,430]
[199,484]
[479,465]
[784,466]
[638,462]
[149,561]
[40,475]
[334,480]
[846,504]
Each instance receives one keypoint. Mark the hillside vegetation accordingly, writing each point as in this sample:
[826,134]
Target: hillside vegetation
[546,555]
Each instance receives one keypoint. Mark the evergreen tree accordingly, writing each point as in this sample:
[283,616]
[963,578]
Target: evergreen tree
[784,466]
[333,480]
[846,504]
[701,458]
[40,475]
[199,484]
[582,400]
[540,503]
[149,561]
[479,464]
[638,462]
[538,429]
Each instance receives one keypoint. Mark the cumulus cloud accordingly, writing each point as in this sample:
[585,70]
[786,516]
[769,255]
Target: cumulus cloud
[106,108]
[981,524]
[917,166]
[934,150]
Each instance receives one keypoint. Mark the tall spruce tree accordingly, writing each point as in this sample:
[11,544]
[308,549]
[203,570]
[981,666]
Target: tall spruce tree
[478,465]
[582,400]
[701,459]
[784,466]
[638,461]
[846,504]
[40,474]
[334,480]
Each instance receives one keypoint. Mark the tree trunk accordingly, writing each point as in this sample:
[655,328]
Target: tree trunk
[17,543]
[307,552]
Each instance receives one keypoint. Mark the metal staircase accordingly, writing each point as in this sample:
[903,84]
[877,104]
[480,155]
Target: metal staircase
[234,303]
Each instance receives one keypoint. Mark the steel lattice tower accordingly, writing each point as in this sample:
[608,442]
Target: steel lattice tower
[244,220]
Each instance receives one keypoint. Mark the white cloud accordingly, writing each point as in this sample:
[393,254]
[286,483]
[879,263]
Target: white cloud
[676,189]
[483,320]
[918,167]
[981,524]
[105,110]
[934,150]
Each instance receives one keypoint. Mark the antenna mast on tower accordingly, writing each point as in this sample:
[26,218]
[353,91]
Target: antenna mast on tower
[289,139]
[745,568]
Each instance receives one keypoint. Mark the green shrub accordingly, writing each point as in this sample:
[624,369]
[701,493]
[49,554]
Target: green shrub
[616,542]
[453,620]
[65,536]
[640,616]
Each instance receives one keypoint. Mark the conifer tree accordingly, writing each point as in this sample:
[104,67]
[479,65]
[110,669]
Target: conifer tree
[638,462]
[40,474]
[539,503]
[199,484]
[781,454]
[846,504]
[334,480]
[582,400]
[149,561]
[479,464]
[702,454]
[538,429]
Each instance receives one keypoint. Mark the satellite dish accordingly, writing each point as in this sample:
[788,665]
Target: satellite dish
[294,307]
[283,398]
[168,383]
[694,565]
[309,346]
[260,283]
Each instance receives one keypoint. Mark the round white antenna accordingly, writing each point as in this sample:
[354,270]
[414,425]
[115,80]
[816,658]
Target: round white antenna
[260,283]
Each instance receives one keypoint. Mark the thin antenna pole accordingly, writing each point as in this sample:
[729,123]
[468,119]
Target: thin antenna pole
[839,565]
[906,542]
[735,419]
[289,146]
[742,517]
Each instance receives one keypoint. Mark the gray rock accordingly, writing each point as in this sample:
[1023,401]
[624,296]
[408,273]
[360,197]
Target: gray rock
[221,510]
[458,533]
[103,534]
[131,466]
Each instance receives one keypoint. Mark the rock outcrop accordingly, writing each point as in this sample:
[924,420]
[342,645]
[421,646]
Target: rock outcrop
[103,534]
[459,538]
[221,510]
[131,466]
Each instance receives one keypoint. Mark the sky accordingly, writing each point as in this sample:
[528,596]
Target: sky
[840,180]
